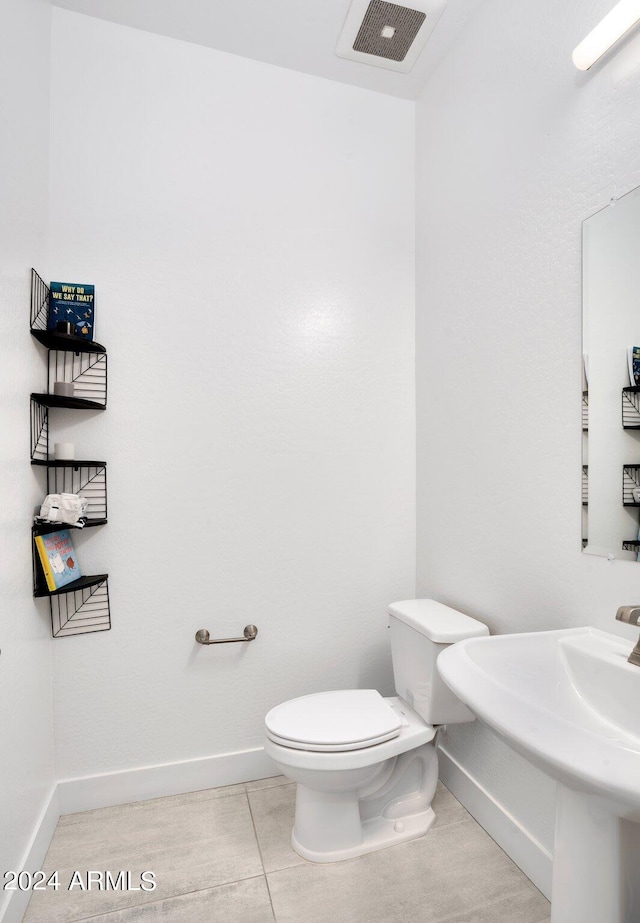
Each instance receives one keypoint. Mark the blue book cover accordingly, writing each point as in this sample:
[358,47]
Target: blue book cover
[74,303]
[58,558]
[636,365]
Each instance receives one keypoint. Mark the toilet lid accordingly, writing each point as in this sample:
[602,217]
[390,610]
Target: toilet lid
[346,720]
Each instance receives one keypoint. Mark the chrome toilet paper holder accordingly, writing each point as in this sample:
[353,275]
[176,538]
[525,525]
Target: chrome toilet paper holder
[203,637]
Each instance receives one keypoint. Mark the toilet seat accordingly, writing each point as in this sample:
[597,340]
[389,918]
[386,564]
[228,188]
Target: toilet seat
[333,721]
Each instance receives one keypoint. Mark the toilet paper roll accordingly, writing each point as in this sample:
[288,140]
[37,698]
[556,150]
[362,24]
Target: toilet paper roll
[63,388]
[64,451]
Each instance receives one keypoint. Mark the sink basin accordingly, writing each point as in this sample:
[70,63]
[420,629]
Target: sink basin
[569,702]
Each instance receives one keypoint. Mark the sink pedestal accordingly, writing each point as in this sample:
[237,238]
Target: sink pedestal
[567,700]
[596,863]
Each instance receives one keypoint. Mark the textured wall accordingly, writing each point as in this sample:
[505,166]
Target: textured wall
[26,753]
[515,149]
[250,234]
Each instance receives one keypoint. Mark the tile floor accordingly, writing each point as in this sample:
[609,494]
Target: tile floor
[223,856]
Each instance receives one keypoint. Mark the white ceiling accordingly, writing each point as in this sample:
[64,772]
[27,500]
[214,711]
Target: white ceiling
[298,34]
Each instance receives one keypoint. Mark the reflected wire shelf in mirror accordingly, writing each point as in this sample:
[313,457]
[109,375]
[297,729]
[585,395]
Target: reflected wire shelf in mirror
[585,485]
[585,411]
[631,408]
[630,482]
[631,546]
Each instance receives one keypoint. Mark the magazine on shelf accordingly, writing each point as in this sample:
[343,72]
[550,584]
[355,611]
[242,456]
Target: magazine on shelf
[75,304]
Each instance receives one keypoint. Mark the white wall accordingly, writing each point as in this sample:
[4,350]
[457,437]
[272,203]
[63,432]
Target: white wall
[26,753]
[515,149]
[250,234]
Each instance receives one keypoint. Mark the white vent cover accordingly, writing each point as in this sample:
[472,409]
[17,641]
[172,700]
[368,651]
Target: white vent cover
[388,34]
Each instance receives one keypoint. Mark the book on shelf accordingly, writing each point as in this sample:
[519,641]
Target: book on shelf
[633,361]
[75,304]
[58,559]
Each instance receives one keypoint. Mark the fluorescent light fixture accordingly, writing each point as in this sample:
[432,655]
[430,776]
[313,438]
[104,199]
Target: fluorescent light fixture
[615,24]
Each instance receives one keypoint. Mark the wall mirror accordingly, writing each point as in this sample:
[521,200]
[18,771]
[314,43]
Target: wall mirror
[611,385]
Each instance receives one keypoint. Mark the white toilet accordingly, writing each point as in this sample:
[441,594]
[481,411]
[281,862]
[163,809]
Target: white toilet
[366,766]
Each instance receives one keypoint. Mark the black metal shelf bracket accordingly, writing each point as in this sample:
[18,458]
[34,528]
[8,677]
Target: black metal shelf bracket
[82,611]
[631,408]
[630,483]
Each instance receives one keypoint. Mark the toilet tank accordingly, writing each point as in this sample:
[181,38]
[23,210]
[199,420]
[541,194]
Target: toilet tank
[420,629]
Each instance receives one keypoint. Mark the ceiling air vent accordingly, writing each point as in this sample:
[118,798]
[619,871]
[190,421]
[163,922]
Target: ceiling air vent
[388,34]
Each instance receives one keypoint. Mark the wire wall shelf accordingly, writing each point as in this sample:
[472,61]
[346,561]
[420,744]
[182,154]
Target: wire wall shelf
[40,293]
[585,411]
[80,607]
[81,611]
[39,431]
[585,485]
[86,371]
[39,325]
[631,546]
[40,404]
[631,408]
[630,482]
[73,477]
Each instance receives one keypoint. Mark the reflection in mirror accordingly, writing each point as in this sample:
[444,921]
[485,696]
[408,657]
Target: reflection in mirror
[611,394]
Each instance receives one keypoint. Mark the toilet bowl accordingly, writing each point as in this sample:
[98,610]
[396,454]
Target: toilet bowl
[366,767]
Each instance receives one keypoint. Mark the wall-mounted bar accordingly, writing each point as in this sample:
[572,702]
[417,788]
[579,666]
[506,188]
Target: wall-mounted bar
[203,637]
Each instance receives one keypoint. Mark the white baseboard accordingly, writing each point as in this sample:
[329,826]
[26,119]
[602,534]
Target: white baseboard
[520,845]
[33,858]
[126,785]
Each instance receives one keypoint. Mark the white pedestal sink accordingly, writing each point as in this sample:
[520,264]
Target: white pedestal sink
[569,702]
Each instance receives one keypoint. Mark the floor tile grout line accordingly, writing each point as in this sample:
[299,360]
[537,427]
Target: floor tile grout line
[89,814]
[171,897]
[264,788]
[264,871]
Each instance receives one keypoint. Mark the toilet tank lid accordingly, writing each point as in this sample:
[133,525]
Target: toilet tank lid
[438,622]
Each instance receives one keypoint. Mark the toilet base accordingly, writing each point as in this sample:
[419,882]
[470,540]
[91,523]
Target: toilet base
[378,833]
[360,811]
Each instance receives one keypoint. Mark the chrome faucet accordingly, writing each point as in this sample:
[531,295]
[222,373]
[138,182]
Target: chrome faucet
[631,615]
